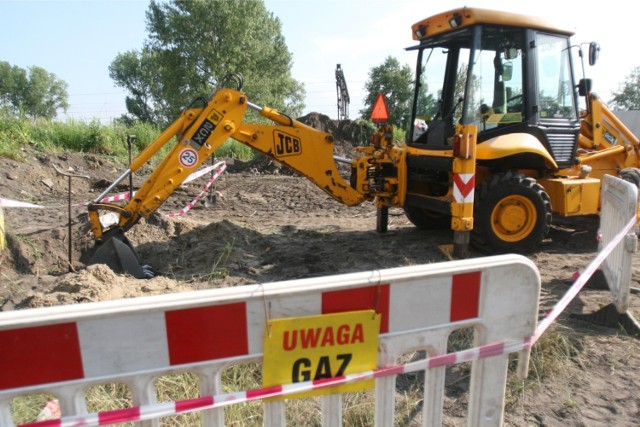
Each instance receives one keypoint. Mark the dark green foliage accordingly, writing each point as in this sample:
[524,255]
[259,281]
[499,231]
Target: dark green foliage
[89,137]
[34,92]
[396,83]
[628,95]
[193,45]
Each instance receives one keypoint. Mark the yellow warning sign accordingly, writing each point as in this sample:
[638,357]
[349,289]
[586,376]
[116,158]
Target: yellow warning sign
[319,347]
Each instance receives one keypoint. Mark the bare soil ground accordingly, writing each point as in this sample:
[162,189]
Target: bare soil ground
[268,225]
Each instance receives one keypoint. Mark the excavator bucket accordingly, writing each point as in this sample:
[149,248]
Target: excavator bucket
[118,254]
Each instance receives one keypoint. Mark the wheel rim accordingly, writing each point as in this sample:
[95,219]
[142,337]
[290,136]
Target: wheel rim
[513,218]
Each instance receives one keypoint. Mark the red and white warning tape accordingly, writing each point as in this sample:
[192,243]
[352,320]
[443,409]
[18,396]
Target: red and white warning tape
[219,167]
[202,192]
[582,279]
[8,203]
[153,411]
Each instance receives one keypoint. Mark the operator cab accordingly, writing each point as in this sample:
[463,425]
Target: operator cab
[504,73]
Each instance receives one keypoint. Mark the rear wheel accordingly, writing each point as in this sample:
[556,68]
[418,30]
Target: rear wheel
[631,175]
[426,219]
[512,214]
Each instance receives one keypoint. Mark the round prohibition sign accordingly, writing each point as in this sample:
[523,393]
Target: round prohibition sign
[188,157]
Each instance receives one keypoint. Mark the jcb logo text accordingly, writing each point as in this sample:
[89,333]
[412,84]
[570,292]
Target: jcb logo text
[202,134]
[286,145]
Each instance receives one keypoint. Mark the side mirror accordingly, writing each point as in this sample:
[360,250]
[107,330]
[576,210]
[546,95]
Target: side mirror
[507,71]
[594,52]
[584,87]
[511,53]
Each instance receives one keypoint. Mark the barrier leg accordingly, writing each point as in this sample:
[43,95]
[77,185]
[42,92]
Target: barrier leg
[487,389]
[610,317]
[144,393]
[384,409]
[209,386]
[434,385]
[274,414]
[331,410]
[5,413]
[434,379]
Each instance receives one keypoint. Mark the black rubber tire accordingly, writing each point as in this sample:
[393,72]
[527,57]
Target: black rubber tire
[631,175]
[426,219]
[512,214]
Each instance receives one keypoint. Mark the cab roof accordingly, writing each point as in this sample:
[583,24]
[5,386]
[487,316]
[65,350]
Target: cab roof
[468,16]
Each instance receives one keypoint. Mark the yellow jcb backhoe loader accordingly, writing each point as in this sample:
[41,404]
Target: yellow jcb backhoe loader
[500,143]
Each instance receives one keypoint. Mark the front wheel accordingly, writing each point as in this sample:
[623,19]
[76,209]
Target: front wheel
[512,214]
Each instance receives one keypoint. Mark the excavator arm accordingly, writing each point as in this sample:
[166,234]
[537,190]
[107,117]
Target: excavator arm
[199,132]
[604,141]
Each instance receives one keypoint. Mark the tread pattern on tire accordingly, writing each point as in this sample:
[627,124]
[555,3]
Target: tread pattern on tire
[482,236]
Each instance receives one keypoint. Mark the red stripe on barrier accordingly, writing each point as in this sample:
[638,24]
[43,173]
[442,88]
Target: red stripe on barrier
[40,355]
[366,298]
[194,404]
[207,333]
[465,296]
[119,416]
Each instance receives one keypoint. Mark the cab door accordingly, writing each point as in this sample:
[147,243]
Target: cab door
[555,106]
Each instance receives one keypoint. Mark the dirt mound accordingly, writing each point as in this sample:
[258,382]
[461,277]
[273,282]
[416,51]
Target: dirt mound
[344,131]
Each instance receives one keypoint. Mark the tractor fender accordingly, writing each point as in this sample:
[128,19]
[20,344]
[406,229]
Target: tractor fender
[512,144]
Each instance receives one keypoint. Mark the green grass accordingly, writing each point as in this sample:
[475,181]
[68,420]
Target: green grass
[72,135]
[236,150]
[90,137]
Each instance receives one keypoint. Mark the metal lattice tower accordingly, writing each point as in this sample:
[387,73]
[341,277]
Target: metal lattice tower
[343,94]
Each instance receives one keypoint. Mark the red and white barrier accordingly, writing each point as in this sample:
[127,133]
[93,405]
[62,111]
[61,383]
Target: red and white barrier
[153,336]
[619,204]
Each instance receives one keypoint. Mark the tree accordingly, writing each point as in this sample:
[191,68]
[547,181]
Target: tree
[628,95]
[33,92]
[193,45]
[396,83]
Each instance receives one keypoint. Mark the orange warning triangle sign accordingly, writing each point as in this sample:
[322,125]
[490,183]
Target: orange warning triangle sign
[380,111]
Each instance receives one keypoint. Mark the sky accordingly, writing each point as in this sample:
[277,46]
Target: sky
[77,40]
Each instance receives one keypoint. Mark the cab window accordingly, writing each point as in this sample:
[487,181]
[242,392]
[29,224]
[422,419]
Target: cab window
[495,90]
[556,97]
